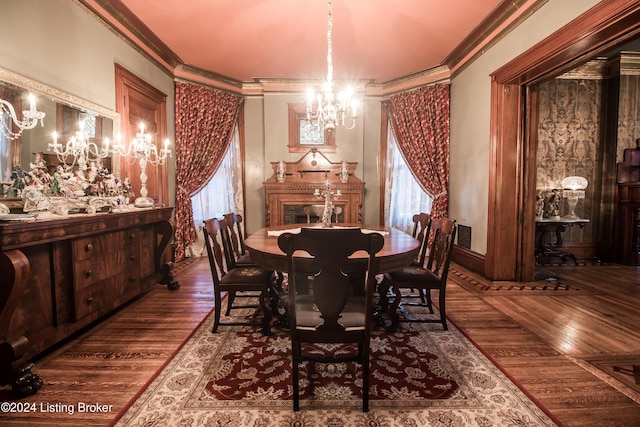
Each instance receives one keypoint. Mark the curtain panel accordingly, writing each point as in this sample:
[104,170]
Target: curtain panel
[205,121]
[420,122]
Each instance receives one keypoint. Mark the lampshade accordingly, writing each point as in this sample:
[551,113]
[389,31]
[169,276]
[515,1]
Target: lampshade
[574,183]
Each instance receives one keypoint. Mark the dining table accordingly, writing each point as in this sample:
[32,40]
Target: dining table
[399,250]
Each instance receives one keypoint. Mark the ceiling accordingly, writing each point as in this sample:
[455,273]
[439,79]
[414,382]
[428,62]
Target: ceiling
[374,40]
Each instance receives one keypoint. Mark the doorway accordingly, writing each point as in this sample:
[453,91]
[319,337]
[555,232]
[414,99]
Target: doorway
[140,103]
[514,123]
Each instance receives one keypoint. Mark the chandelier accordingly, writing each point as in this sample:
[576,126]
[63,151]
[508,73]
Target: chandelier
[145,151]
[79,149]
[326,107]
[29,120]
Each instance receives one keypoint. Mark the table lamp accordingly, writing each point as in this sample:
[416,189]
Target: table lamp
[573,190]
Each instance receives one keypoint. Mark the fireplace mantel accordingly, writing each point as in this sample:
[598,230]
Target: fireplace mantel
[294,190]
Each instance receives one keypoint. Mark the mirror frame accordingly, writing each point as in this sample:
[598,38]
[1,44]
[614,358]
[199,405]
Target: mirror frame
[298,112]
[68,99]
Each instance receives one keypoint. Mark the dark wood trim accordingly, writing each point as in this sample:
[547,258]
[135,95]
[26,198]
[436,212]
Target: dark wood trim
[298,112]
[128,83]
[605,26]
[468,259]
[527,203]
[125,17]
[496,19]
[504,170]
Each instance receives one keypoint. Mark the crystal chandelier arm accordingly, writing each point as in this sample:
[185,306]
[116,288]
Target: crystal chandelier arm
[29,120]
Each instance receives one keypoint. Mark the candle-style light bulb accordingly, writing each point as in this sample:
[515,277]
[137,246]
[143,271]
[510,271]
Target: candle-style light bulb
[32,103]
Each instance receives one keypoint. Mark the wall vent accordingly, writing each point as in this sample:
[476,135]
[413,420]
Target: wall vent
[464,236]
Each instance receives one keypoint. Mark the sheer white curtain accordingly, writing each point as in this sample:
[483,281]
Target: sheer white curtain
[404,196]
[221,195]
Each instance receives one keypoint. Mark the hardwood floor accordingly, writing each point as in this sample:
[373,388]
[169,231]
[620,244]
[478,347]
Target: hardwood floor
[560,343]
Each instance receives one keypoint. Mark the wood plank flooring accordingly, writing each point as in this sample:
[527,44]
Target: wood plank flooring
[560,345]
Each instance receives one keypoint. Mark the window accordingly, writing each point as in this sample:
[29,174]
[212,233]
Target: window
[223,193]
[404,196]
[303,135]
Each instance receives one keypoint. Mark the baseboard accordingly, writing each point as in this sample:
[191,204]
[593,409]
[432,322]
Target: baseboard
[468,259]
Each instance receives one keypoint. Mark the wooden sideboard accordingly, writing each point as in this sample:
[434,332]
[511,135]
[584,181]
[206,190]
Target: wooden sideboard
[58,276]
[285,198]
[627,233]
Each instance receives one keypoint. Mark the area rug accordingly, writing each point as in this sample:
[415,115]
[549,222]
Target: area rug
[420,376]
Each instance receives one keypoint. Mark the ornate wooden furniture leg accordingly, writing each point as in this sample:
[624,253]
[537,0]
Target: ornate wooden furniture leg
[14,370]
[165,229]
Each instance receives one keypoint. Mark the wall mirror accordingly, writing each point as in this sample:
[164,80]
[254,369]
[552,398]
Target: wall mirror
[303,135]
[63,111]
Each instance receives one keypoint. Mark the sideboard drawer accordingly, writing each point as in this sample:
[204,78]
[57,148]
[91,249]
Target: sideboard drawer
[101,244]
[96,269]
[102,297]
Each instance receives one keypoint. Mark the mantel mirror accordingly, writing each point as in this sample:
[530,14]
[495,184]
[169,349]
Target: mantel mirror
[303,135]
[63,114]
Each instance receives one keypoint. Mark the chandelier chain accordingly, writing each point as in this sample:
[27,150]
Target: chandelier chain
[329,47]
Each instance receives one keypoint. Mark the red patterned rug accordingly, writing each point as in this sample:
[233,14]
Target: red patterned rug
[420,376]
[401,368]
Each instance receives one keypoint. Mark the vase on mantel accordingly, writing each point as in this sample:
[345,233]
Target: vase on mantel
[344,172]
[281,171]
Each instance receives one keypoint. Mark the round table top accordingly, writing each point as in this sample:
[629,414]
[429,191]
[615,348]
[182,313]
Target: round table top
[399,249]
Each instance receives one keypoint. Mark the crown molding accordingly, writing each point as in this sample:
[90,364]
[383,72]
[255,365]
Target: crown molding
[122,21]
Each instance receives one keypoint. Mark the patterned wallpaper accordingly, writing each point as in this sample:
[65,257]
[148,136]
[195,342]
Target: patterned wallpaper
[628,114]
[569,135]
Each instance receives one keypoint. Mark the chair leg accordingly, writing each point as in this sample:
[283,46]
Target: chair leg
[427,294]
[231,295]
[443,311]
[216,312]
[393,310]
[365,378]
[295,375]
[266,312]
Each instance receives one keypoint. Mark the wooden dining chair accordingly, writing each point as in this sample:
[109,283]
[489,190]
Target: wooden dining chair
[254,282]
[432,276]
[235,252]
[236,238]
[420,231]
[328,311]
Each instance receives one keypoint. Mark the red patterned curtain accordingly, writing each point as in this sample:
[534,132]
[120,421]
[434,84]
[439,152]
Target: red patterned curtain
[420,123]
[205,120]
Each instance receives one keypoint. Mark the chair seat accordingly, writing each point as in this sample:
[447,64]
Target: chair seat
[352,317]
[414,274]
[248,275]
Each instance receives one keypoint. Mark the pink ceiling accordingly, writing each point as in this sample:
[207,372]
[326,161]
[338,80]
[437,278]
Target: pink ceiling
[380,40]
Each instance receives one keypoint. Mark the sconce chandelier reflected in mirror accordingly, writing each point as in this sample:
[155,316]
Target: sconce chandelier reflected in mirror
[145,151]
[326,108]
[79,150]
[29,120]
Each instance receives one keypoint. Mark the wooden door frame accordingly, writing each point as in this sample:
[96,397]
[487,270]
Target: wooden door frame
[602,28]
[126,79]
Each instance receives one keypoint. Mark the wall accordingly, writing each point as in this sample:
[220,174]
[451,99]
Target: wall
[470,115]
[57,42]
[266,139]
